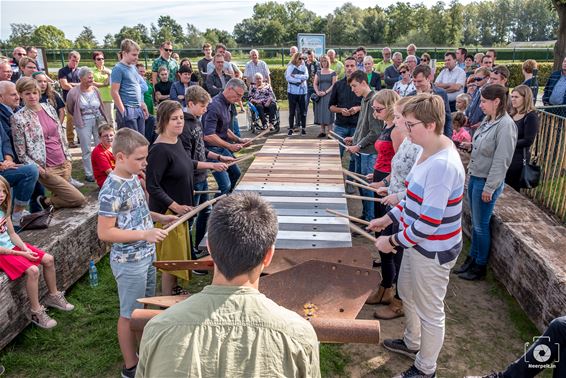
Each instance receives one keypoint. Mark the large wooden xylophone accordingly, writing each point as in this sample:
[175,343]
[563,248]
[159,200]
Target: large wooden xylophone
[301,178]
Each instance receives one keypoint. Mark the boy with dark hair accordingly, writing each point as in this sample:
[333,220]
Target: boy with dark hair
[231,319]
[124,219]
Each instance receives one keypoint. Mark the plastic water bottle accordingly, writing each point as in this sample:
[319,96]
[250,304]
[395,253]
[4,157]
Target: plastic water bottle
[93,274]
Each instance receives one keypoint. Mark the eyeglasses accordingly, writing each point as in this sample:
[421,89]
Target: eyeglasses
[411,125]
[99,58]
[238,93]
[424,60]
[168,50]
[377,110]
[403,72]
[499,73]
[479,78]
[21,54]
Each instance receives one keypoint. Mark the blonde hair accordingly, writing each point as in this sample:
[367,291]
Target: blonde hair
[197,95]
[427,108]
[127,140]
[164,112]
[295,60]
[27,84]
[464,97]
[25,60]
[387,98]
[6,206]
[528,103]
[128,45]
[325,59]
[104,127]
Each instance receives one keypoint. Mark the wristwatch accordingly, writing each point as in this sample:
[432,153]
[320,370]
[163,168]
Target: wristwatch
[385,181]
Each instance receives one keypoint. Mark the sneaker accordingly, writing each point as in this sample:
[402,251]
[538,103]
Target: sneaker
[399,346]
[290,132]
[59,302]
[76,183]
[17,217]
[129,373]
[321,135]
[41,319]
[413,372]
[42,202]
[89,178]
[303,132]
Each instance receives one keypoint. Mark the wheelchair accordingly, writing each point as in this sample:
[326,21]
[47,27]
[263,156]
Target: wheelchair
[254,121]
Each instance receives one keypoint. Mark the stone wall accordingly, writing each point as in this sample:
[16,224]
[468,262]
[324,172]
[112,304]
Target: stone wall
[72,240]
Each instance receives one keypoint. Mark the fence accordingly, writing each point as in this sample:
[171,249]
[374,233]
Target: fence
[549,151]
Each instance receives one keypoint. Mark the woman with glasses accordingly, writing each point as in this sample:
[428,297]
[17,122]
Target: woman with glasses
[425,59]
[101,76]
[297,76]
[404,86]
[492,150]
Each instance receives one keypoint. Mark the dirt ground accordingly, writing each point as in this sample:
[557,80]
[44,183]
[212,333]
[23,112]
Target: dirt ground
[483,324]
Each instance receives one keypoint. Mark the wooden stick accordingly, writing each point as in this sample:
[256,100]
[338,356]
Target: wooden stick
[184,265]
[354,219]
[206,192]
[352,175]
[362,198]
[256,137]
[361,186]
[241,159]
[342,144]
[192,213]
[365,234]
[359,175]
[336,135]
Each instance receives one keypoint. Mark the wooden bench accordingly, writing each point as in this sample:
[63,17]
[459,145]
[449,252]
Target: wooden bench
[72,240]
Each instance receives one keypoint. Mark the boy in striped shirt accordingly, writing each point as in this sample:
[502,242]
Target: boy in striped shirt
[430,232]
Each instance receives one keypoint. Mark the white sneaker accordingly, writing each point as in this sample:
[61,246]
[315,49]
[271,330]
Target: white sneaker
[76,183]
[17,217]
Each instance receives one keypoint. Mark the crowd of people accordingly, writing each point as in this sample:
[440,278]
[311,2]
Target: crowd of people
[400,124]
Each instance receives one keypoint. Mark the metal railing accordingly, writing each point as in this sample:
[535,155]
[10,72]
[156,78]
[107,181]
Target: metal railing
[549,152]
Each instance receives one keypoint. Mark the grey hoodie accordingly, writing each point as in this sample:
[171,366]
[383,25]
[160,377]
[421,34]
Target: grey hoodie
[368,128]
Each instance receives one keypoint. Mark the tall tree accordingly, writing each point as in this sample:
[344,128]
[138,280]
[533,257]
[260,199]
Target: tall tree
[167,29]
[345,25]
[86,39]
[374,26]
[108,41]
[193,37]
[21,34]
[138,33]
[455,16]
[50,37]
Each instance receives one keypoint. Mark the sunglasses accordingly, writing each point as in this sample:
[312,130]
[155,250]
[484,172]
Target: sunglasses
[99,58]
[479,78]
[168,50]
[499,73]
[21,54]
[424,60]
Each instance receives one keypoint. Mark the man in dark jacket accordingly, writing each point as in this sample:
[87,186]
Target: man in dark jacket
[555,89]
[422,81]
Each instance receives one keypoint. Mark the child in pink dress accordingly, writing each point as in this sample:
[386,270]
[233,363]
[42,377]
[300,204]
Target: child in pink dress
[460,133]
[18,258]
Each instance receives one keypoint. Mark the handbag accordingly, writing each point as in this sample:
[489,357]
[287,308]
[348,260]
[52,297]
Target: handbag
[315,98]
[37,221]
[530,174]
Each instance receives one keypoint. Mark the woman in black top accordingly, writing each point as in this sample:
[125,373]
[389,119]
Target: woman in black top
[525,117]
[170,187]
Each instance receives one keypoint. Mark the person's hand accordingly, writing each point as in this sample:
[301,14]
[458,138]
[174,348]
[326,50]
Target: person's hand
[390,200]
[379,224]
[181,97]
[354,109]
[382,244]
[226,159]
[235,147]
[320,93]
[180,209]
[377,185]
[31,256]
[155,235]
[244,140]
[353,149]
[382,191]
[466,146]
[486,197]
[348,141]
[145,112]
[219,167]
[369,177]
[42,171]
[345,112]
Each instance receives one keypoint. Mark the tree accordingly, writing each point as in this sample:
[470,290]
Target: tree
[374,26]
[401,20]
[345,24]
[50,37]
[455,15]
[21,34]
[194,37]
[86,39]
[109,41]
[138,33]
[214,36]
[560,45]
[167,29]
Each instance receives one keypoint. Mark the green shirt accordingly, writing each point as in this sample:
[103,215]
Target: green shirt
[148,97]
[228,331]
[380,67]
[100,77]
[171,64]
[338,67]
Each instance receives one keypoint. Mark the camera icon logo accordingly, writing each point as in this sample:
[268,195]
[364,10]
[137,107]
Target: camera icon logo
[541,352]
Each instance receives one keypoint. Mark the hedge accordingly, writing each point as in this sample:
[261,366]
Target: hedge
[279,83]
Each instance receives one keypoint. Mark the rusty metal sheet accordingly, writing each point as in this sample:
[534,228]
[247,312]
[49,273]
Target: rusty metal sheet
[336,291]
[287,258]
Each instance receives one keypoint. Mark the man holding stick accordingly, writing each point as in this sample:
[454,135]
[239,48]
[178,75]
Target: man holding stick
[218,137]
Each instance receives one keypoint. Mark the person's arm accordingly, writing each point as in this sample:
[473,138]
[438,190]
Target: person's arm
[548,88]
[6,146]
[65,85]
[108,232]
[389,79]
[173,93]
[215,140]
[506,140]
[211,87]
[157,164]
[315,85]
[19,138]
[333,103]
[70,105]
[530,131]
[267,73]
[154,78]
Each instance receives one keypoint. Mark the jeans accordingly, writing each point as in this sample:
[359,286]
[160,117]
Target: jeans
[481,215]
[555,339]
[422,287]
[226,180]
[22,180]
[271,109]
[202,217]
[149,131]
[234,126]
[86,133]
[346,132]
[364,165]
[310,92]
[132,118]
[297,103]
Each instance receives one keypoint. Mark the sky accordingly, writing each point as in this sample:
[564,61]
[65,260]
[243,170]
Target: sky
[105,16]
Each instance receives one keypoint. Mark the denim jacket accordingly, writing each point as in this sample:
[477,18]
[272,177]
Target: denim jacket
[492,150]
[28,135]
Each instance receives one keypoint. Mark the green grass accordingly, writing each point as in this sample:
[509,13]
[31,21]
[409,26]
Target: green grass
[333,361]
